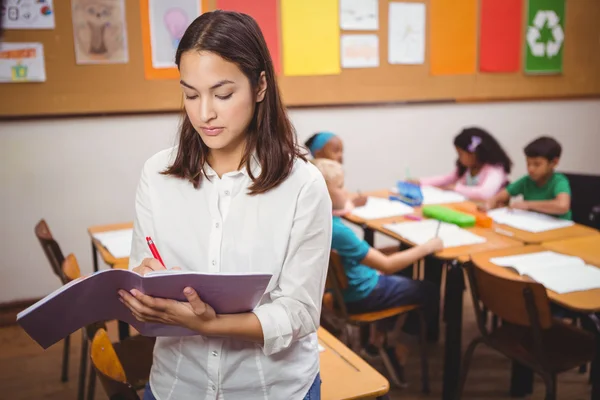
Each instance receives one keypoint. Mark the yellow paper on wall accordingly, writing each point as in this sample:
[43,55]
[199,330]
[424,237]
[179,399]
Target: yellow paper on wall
[453,44]
[310,37]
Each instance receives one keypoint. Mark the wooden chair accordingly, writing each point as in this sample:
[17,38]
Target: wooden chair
[528,334]
[333,301]
[55,257]
[131,350]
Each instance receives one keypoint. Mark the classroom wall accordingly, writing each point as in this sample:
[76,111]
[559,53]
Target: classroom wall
[83,171]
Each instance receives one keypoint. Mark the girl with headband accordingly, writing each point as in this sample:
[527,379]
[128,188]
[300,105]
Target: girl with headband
[482,167]
[326,145]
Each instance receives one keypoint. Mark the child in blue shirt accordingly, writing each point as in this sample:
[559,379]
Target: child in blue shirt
[367,289]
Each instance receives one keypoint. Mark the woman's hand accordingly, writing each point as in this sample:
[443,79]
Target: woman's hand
[149,265]
[193,314]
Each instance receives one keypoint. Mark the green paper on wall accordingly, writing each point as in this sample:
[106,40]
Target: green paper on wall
[544,40]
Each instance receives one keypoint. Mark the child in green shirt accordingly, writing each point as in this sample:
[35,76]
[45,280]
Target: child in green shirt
[543,190]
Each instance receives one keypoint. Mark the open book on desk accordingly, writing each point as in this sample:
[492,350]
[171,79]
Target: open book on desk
[557,272]
[528,221]
[420,232]
[95,298]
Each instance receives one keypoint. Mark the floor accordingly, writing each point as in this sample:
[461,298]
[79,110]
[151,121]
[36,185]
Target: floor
[28,372]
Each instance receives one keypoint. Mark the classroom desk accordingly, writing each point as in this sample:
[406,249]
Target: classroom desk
[587,248]
[572,231]
[585,302]
[104,253]
[455,285]
[345,375]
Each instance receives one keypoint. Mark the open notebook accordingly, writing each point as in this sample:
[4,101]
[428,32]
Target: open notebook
[381,208]
[557,272]
[527,220]
[95,298]
[118,243]
[420,232]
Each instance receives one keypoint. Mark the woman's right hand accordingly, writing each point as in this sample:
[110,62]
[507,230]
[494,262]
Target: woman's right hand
[149,265]
[434,245]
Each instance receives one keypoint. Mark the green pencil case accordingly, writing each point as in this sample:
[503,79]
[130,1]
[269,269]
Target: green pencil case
[446,214]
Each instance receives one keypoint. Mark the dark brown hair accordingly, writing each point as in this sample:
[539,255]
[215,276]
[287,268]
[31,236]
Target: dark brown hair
[486,148]
[545,147]
[237,38]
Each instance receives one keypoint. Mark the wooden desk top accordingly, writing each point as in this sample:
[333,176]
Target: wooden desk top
[587,248]
[494,241]
[106,256]
[345,375]
[587,301]
[576,230]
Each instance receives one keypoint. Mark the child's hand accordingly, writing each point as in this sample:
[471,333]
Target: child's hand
[414,181]
[434,245]
[520,205]
[359,201]
[487,206]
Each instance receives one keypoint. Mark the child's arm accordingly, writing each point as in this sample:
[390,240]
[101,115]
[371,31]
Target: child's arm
[487,188]
[440,181]
[402,259]
[557,206]
[498,200]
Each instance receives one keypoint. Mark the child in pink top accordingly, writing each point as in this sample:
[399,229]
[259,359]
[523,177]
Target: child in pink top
[482,167]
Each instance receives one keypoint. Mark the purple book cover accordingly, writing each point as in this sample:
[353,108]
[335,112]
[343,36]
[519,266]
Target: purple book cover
[95,298]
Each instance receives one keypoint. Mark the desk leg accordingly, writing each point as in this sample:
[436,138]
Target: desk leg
[369,235]
[94,256]
[433,274]
[521,380]
[455,285]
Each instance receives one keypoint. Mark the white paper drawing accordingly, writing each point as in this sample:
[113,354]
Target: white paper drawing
[22,62]
[27,14]
[360,15]
[406,42]
[100,31]
[168,22]
[360,51]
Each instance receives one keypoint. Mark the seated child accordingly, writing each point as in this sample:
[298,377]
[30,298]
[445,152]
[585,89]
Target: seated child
[330,146]
[482,167]
[543,190]
[367,289]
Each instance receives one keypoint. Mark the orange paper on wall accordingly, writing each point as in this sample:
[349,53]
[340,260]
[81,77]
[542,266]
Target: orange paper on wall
[453,37]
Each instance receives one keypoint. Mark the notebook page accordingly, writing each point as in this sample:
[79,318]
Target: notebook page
[433,195]
[381,208]
[527,220]
[561,279]
[525,263]
[420,232]
[118,243]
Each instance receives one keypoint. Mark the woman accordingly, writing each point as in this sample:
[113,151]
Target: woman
[235,196]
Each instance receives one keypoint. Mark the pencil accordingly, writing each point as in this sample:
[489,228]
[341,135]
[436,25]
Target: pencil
[437,232]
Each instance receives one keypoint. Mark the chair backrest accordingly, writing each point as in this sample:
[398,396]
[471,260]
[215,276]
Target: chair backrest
[514,301]
[585,195]
[109,368]
[51,248]
[337,282]
[70,268]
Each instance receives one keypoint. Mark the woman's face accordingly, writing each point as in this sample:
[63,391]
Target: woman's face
[218,99]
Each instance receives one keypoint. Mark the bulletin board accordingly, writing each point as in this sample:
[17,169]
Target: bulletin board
[73,89]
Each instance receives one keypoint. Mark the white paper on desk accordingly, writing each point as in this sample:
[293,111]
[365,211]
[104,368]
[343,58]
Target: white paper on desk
[118,243]
[406,40]
[420,232]
[527,220]
[381,208]
[557,272]
[433,195]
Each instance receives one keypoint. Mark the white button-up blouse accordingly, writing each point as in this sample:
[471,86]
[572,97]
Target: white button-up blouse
[220,228]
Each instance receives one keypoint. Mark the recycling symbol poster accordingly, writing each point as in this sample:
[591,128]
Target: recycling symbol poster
[545,37]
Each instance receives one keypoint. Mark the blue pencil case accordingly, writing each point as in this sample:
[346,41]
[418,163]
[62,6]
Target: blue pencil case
[409,193]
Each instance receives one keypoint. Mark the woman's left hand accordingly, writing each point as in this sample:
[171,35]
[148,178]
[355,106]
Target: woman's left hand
[193,314]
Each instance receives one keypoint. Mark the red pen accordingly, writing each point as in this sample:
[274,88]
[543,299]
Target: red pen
[154,250]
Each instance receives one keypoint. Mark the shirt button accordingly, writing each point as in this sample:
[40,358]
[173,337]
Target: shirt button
[214,353]
[214,387]
[226,193]
[217,225]
[214,262]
